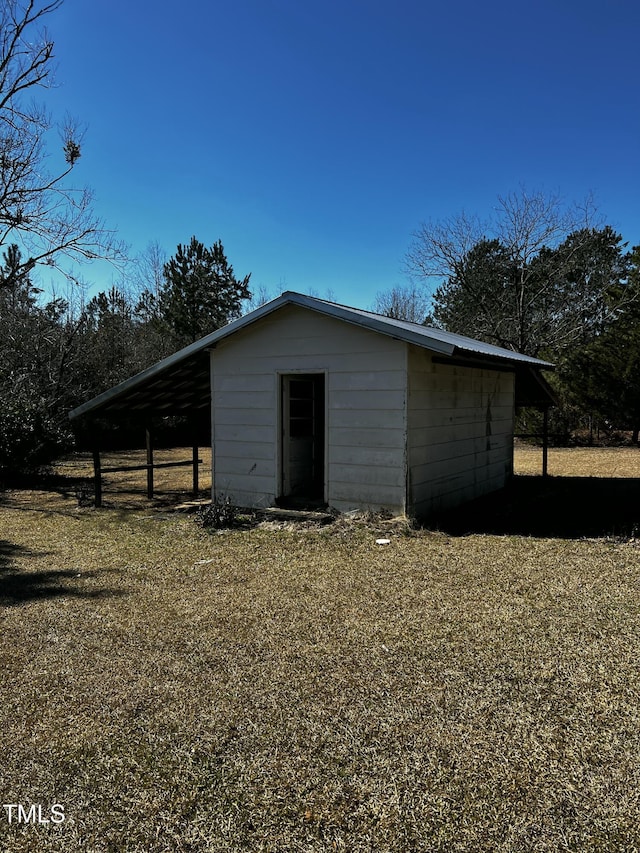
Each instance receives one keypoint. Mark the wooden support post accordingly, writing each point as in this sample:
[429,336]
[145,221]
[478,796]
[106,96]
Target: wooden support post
[545,442]
[97,477]
[196,484]
[149,462]
[193,424]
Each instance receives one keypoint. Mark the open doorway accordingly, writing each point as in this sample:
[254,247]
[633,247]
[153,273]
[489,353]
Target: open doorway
[303,436]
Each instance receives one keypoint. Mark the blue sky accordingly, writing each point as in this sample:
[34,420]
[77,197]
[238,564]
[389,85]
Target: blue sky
[313,139]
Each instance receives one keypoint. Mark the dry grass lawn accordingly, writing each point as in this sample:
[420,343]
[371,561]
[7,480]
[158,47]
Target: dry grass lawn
[304,689]
[579,461]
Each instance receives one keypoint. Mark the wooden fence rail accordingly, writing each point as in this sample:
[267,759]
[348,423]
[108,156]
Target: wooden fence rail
[149,467]
[112,470]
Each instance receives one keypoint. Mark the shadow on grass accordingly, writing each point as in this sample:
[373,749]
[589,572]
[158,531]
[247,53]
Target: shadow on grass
[558,507]
[79,493]
[17,587]
[46,481]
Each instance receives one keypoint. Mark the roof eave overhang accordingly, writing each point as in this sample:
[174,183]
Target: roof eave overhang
[467,358]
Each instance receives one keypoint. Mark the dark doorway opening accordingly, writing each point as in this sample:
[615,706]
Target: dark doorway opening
[303,436]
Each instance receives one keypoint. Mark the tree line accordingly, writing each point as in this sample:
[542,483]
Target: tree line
[545,279]
[54,355]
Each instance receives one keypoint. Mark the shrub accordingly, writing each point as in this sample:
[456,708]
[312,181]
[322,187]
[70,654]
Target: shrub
[219,514]
[30,434]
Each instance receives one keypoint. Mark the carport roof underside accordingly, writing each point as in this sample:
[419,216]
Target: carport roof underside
[180,384]
[174,389]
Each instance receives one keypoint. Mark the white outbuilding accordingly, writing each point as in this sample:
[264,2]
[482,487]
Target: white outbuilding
[315,403]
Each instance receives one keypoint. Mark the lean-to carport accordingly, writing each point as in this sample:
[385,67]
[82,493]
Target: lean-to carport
[177,386]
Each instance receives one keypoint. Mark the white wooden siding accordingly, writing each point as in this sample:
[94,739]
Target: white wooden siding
[366,409]
[460,432]
[402,432]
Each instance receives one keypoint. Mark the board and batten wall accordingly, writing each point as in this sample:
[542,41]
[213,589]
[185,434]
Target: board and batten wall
[365,388]
[460,432]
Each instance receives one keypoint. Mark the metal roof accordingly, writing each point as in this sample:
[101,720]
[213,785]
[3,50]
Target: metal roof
[181,382]
[431,338]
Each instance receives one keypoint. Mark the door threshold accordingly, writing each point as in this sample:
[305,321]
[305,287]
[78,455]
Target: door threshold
[309,504]
[279,513]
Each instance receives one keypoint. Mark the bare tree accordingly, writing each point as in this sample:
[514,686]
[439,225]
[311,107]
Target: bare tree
[40,210]
[534,277]
[259,297]
[147,270]
[408,302]
[523,223]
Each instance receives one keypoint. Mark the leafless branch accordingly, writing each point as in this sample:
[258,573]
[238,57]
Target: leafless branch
[39,211]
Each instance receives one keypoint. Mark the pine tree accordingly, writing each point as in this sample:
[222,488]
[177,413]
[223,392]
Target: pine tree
[33,423]
[604,377]
[200,292]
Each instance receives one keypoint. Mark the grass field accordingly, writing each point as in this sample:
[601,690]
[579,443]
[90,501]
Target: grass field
[579,461]
[299,688]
